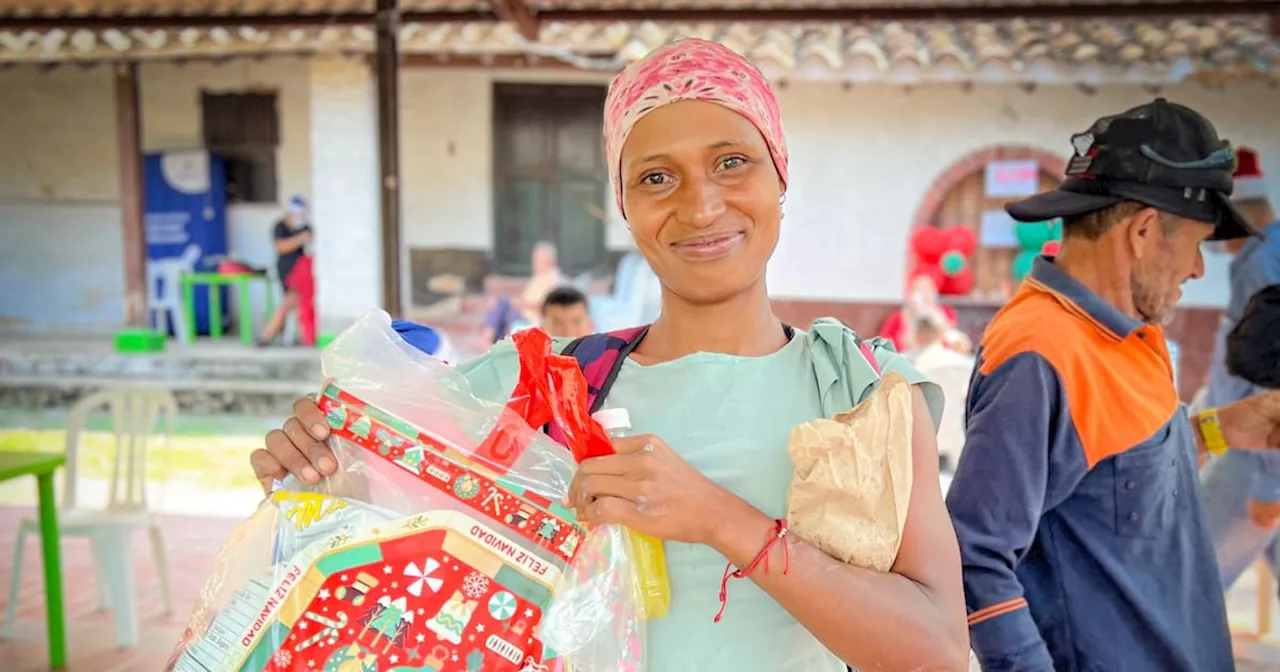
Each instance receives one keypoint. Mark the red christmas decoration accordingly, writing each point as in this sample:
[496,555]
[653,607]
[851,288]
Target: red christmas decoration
[928,243]
[957,285]
[962,239]
[1051,248]
[1249,182]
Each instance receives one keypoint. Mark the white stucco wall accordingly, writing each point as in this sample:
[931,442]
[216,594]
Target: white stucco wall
[59,193]
[60,244]
[344,181]
[859,195]
[862,160]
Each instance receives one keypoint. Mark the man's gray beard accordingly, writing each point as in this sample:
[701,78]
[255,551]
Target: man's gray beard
[1160,320]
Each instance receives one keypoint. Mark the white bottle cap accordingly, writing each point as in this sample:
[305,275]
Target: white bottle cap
[613,418]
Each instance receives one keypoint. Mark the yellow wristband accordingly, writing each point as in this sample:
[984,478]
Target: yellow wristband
[1211,430]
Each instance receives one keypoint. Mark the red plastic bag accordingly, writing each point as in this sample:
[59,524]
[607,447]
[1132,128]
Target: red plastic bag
[551,388]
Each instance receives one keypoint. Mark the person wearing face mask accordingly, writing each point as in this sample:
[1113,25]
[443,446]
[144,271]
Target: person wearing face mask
[1076,497]
[291,236]
[1241,490]
[713,388]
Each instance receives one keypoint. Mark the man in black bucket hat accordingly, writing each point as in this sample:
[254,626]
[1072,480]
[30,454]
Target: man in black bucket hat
[1162,155]
[1075,500]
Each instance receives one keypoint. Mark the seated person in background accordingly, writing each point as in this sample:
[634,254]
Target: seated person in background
[565,314]
[507,314]
[936,358]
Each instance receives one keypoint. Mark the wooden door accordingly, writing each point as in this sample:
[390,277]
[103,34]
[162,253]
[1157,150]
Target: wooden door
[964,206]
[550,181]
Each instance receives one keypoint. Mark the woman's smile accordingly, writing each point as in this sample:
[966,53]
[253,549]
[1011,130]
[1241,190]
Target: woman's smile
[708,246]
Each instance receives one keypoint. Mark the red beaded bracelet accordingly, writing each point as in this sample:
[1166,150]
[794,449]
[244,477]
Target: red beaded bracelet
[776,535]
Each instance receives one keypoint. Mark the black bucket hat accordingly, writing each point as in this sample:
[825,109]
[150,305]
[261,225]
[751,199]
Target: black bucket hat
[1161,154]
[1253,345]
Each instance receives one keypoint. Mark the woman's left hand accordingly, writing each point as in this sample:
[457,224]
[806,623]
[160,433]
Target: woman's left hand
[647,487]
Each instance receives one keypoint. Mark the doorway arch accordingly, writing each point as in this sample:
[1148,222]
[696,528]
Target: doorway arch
[957,197]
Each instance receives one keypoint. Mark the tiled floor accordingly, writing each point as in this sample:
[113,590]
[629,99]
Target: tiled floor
[191,543]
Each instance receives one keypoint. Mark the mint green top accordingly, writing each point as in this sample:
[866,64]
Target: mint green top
[730,417]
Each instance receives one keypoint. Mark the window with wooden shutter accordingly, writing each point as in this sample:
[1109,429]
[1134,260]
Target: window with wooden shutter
[244,130]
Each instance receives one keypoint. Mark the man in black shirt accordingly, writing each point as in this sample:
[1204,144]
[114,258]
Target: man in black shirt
[291,236]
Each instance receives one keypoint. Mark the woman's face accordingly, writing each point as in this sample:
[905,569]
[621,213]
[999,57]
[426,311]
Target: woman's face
[702,198]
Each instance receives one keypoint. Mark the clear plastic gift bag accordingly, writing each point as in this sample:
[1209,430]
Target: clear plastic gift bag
[440,544]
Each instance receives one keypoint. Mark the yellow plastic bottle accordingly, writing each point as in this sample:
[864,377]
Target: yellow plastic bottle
[651,581]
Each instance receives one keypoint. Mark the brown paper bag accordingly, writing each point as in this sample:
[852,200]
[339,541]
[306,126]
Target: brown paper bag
[850,492]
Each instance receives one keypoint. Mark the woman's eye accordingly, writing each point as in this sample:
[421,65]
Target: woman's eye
[654,179]
[732,162]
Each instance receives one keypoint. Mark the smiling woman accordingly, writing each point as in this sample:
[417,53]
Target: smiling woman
[714,387]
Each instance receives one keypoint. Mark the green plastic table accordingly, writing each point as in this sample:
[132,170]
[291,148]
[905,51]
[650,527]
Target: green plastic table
[214,281]
[42,466]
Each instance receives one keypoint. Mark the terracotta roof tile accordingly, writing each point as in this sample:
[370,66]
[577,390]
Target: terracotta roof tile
[75,8]
[1160,49]
[81,8]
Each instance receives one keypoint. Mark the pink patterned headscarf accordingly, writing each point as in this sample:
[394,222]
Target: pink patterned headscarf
[691,69]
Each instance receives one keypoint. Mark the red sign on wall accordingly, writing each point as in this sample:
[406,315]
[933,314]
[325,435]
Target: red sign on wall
[1012,179]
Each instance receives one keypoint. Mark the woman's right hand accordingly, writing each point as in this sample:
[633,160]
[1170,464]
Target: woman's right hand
[297,448]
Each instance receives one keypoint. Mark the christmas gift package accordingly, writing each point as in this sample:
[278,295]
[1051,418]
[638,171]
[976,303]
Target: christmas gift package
[440,545]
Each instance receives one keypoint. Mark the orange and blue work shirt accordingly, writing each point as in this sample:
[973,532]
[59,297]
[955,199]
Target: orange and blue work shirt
[1075,500]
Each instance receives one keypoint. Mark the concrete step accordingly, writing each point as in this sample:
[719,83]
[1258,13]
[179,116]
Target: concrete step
[254,397]
[240,363]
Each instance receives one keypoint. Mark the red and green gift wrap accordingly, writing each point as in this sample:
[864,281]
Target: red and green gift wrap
[435,597]
[444,591]
[528,514]
[441,591]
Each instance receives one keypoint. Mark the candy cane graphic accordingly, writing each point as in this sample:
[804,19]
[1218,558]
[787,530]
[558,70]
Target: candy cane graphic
[495,501]
[331,628]
[531,665]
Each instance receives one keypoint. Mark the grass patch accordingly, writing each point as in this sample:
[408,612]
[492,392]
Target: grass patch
[215,461]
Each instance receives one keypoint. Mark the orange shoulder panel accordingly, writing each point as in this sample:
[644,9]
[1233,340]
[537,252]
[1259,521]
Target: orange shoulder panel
[1119,391]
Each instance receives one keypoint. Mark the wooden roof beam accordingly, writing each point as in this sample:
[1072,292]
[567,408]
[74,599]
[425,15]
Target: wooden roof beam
[228,20]
[517,13]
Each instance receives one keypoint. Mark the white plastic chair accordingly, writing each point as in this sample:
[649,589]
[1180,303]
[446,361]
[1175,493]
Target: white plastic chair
[135,412]
[164,290]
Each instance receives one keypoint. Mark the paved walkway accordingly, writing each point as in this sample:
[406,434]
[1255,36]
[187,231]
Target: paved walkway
[191,543]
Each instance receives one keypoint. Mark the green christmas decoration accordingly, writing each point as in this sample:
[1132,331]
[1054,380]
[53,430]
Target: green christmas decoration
[1022,263]
[1033,235]
[360,427]
[475,661]
[952,263]
[336,417]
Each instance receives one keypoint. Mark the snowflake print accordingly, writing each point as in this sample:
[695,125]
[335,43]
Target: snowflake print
[282,658]
[475,585]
